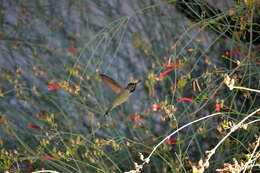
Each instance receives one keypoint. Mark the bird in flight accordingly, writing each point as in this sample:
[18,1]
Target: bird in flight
[122,93]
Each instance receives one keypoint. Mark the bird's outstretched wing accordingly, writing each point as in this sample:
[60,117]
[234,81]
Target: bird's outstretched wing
[111,84]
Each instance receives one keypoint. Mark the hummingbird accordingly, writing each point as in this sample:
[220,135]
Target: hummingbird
[122,93]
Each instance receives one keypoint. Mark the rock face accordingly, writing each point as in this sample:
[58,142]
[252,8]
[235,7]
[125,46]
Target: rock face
[222,5]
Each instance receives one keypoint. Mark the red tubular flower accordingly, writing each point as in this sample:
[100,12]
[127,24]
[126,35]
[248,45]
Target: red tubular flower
[32,126]
[220,170]
[245,53]
[165,73]
[147,149]
[48,158]
[155,107]
[177,64]
[51,87]
[41,114]
[185,99]
[217,107]
[72,49]
[162,74]
[233,52]
[135,117]
[171,140]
